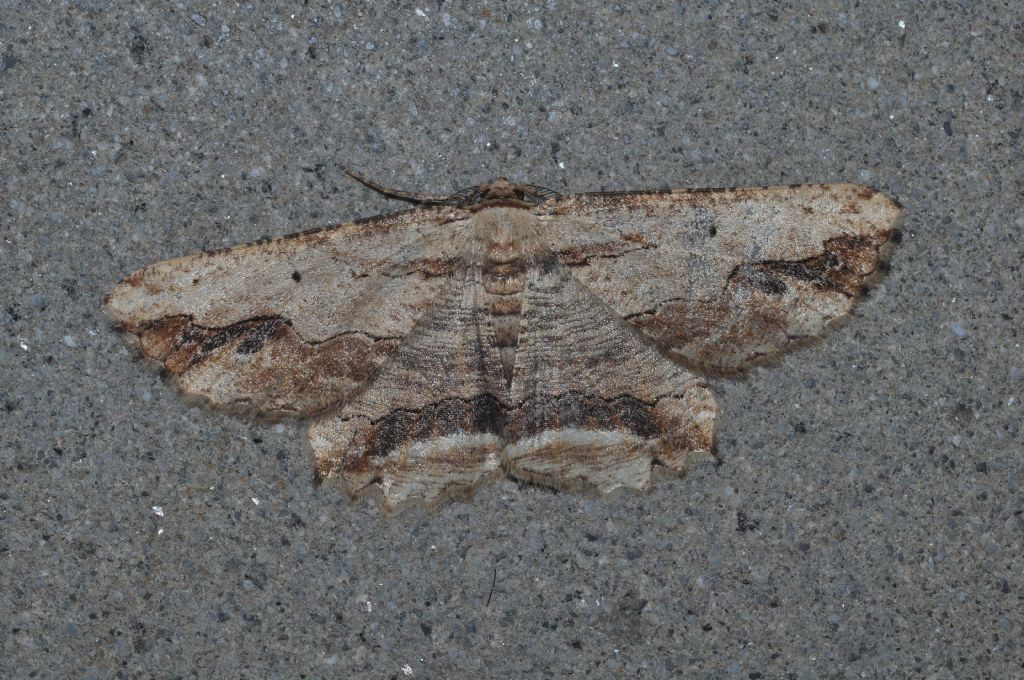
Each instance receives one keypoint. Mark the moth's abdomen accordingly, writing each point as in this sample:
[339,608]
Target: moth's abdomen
[504,274]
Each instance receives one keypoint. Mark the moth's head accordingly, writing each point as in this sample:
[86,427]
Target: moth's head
[502,192]
[500,189]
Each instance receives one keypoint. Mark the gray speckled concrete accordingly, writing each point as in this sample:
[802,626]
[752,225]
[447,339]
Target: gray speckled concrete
[865,520]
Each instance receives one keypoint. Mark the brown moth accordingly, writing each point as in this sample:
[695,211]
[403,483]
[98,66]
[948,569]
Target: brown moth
[508,329]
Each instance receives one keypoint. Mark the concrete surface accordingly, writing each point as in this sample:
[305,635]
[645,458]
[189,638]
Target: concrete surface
[866,518]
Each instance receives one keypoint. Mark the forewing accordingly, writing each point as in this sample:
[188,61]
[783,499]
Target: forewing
[725,278]
[294,324]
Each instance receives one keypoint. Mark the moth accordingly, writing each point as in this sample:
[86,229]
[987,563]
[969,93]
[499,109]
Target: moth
[507,329]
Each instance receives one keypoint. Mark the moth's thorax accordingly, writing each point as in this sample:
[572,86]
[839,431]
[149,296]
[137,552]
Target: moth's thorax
[502,234]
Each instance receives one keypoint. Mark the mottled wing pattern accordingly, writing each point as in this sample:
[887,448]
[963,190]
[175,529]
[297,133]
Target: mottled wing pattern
[295,324]
[593,402]
[430,423]
[724,279]
[441,346]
